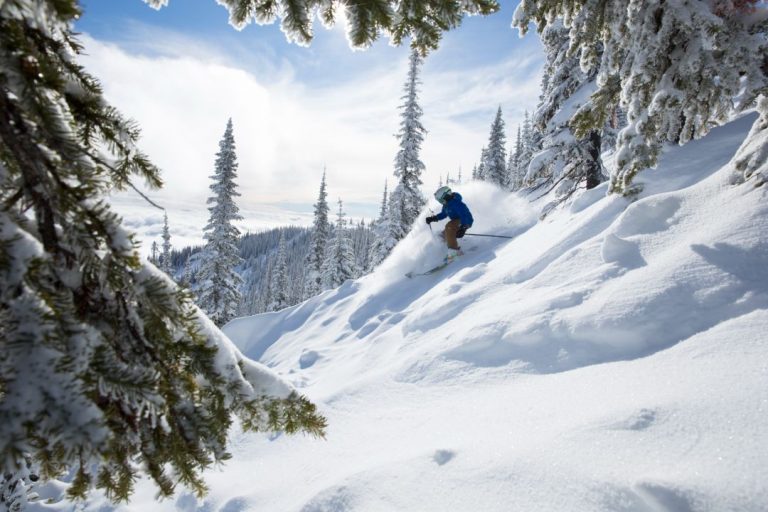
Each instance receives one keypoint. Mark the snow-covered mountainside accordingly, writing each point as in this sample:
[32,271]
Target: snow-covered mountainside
[611,356]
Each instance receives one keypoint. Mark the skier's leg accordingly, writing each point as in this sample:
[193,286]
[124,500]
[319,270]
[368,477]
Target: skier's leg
[450,234]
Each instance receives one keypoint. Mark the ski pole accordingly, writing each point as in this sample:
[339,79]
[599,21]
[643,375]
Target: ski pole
[490,236]
[430,225]
[434,235]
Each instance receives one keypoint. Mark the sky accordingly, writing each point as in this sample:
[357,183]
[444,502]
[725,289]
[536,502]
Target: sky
[182,71]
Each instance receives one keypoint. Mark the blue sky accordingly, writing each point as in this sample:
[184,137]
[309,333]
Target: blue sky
[479,40]
[182,71]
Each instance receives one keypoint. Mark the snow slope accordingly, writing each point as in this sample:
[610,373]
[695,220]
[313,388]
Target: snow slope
[610,357]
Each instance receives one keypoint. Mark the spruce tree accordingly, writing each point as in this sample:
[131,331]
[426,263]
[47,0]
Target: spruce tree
[165,262]
[339,262]
[528,145]
[187,275]
[107,370]
[320,233]
[384,203]
[266,294]
[495,168]
[516,174]
[408,165]
[280,296]
[382,241]
[396,231]
[675,68]
[361,243]
[154,254]
[481,172]
[297,274]
[219,294]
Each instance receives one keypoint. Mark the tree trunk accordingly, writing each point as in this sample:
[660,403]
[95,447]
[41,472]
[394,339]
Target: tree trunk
[594,176]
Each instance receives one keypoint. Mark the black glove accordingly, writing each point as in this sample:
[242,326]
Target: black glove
[462,229]
[432,219]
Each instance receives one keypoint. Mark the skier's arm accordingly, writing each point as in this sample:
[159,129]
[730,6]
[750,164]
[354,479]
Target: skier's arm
[439,216]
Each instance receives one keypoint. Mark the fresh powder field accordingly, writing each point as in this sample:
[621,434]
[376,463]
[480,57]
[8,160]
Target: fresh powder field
[611,357]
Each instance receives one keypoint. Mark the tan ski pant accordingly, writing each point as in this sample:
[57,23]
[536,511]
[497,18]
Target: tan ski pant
[449,233]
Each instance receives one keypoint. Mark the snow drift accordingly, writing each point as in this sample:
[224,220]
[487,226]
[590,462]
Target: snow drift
[610,357]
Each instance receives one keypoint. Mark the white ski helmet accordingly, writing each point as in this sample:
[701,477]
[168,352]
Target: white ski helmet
[441,193]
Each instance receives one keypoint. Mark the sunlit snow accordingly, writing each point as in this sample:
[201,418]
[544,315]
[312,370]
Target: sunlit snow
[612,356]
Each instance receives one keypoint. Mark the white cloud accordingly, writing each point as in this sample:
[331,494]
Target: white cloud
[284,131]
[182,93]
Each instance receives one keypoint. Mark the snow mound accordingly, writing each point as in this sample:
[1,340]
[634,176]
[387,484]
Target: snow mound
[606,280]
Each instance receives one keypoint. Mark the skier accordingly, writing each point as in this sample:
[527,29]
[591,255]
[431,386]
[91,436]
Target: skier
[461,220]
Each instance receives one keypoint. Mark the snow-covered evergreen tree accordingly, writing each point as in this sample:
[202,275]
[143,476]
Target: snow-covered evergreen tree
[481,172]
[408,165]
[266,288]
[529,145]
[495,163]
[165,262]
[362,239]
[187,278]
[514,168]
[395,209]
[339,262]
[422,22]
[564,160]
[297,278]
[280,293]
[320,232]
[382,241]
[107,370]
[675,68]
[218,293]
[154,254]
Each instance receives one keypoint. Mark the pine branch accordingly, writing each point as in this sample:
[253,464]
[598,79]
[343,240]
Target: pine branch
[556,183]
[11,201]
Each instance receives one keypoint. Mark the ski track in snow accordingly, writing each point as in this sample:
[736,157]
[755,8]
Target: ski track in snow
[611,357]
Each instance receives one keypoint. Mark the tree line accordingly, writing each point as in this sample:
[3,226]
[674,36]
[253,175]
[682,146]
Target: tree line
[228,281]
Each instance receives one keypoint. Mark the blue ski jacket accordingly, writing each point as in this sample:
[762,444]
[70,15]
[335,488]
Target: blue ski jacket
[456,209]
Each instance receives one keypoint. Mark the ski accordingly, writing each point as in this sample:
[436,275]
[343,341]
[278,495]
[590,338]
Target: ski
[430,271]
[437,268]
